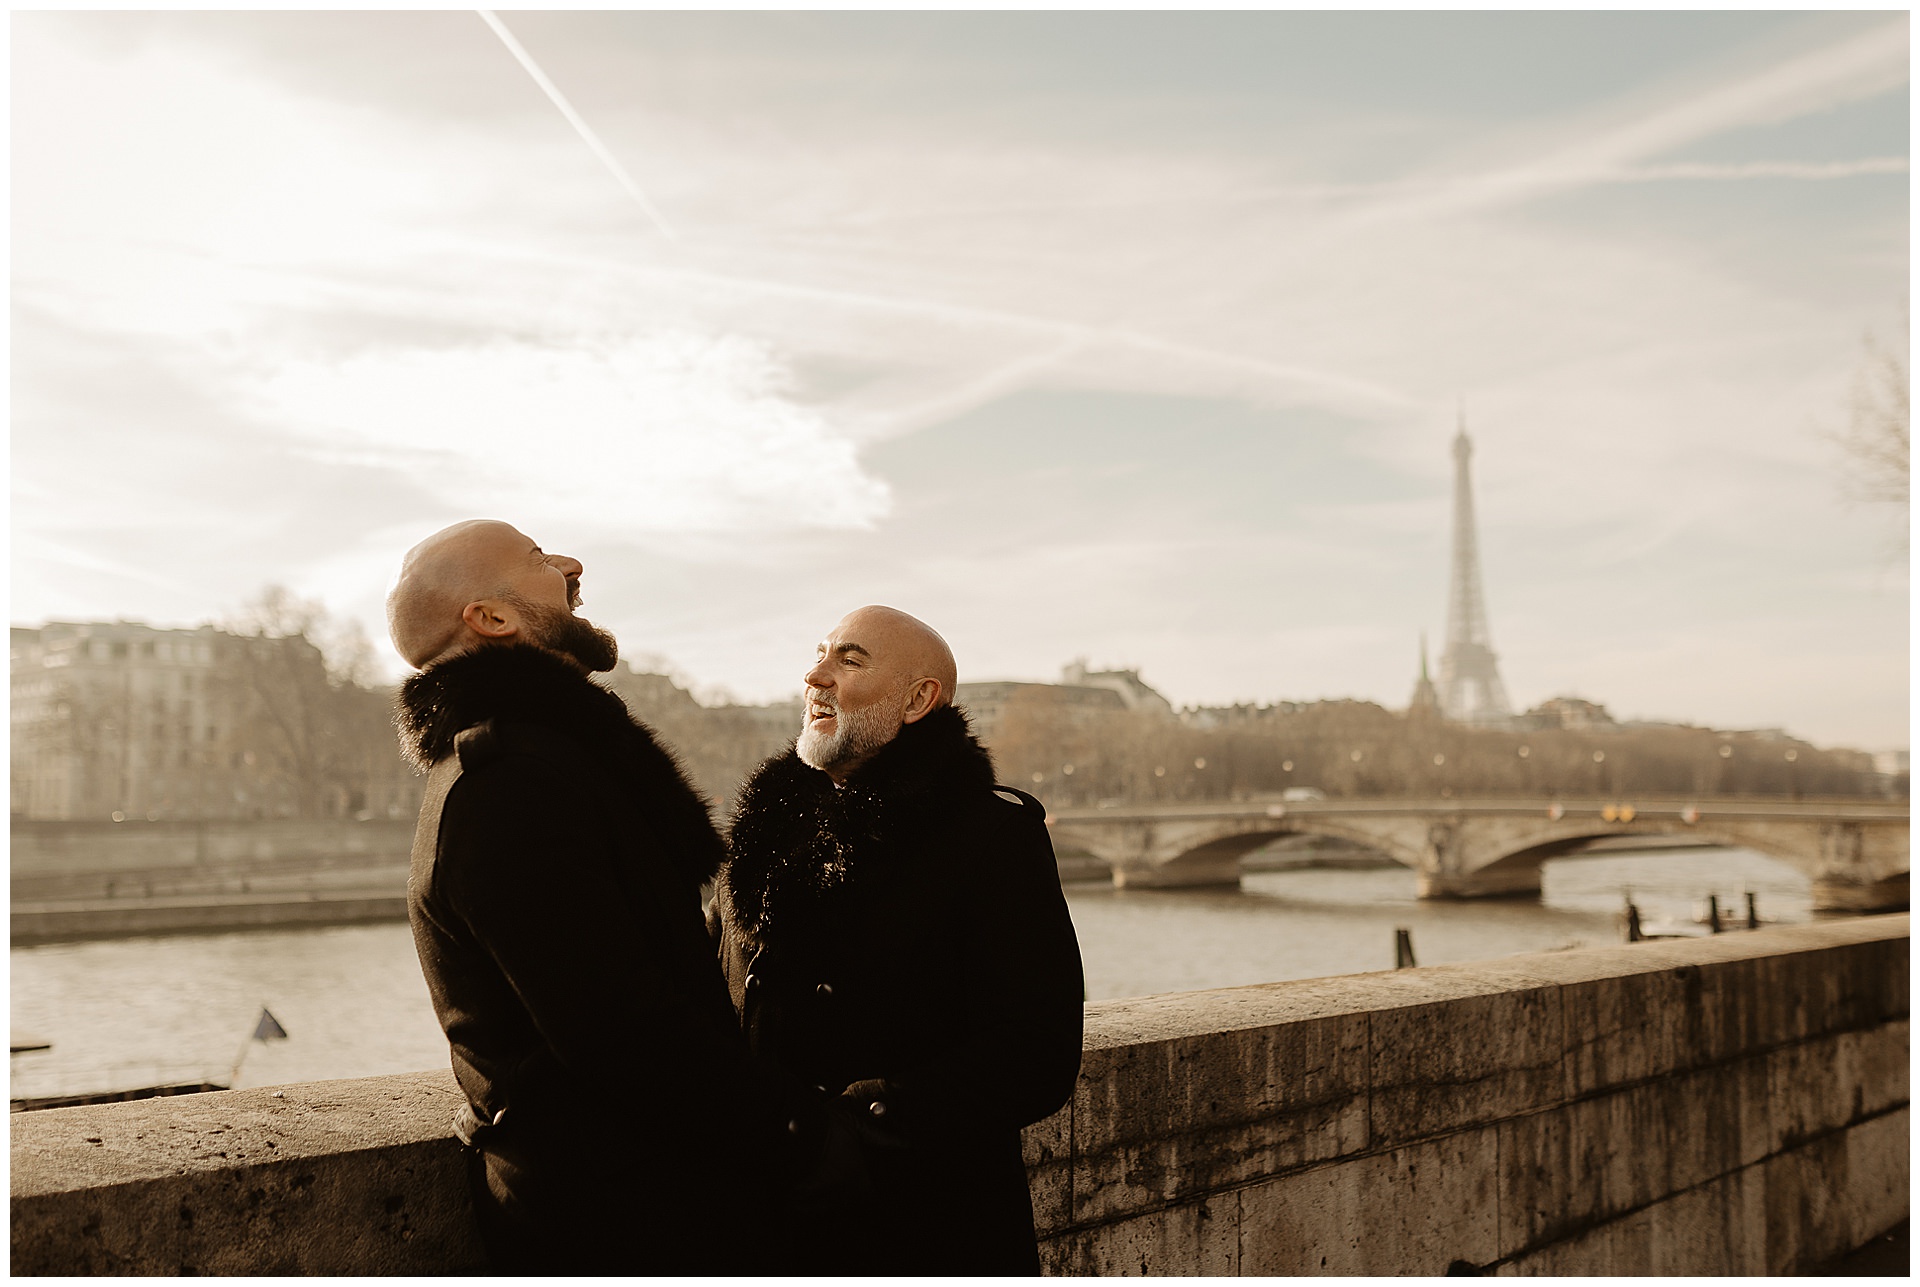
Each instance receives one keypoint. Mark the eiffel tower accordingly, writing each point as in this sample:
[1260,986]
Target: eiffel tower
[1470,687]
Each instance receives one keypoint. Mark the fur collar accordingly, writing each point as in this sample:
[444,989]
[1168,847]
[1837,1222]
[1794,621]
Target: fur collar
[521,684]
[798,840]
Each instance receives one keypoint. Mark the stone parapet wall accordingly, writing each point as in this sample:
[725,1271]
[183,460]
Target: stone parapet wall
[1726,1105]
[327,1177]
[1731,1105]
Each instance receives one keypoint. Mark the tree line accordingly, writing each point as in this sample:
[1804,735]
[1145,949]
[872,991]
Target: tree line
[1350,749]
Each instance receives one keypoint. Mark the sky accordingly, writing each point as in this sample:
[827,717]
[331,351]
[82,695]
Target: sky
[1128,336]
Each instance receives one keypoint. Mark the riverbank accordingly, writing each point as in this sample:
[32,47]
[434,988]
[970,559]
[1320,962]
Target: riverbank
[37,923]
[209,880]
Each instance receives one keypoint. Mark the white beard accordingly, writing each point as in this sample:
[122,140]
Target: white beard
[856,735]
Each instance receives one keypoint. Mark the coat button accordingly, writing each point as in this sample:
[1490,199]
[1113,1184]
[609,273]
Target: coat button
[879,1109]
[793,1127]
[753,981]
[825,989]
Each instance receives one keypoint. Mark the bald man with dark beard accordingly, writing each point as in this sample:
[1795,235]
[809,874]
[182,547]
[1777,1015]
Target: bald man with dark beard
[555,902]
[896,943]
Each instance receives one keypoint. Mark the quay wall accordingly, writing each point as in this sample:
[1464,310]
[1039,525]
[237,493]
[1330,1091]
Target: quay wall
[73,880]
[53,852]
[1730,1105]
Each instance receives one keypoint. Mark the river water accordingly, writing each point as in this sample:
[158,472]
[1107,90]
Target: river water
[150,1011]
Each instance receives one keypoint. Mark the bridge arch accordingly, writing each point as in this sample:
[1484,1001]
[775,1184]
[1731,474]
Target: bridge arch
[1796,848]
[1211,855]
[1854,852]
[1237,847]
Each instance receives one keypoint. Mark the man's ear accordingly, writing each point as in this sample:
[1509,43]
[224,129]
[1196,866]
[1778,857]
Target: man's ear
[922,698]
[490,620]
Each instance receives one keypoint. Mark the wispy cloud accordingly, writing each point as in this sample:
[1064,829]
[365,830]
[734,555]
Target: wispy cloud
[665,432]
[580,126]
[1861,66]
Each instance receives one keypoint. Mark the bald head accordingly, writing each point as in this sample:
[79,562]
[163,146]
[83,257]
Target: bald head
[878,671]
[904,645]
[477,582]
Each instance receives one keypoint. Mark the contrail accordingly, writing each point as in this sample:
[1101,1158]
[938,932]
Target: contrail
[585,131]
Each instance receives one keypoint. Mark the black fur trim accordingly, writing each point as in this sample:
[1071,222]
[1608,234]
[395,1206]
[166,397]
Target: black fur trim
[518,683]
[797,839]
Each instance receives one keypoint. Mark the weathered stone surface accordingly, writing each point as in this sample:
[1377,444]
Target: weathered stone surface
[1718,1120]
[1543,1197]
[65,1149]
[1168,1017]
[1413,1210]
[345,1177]
[1833,1193]
[1159,1122]
[1196,1238]
[1879,1158]
[1047,1148]
[1717,1228]
[1635,1027]
[1828,1082]
[1466,1061]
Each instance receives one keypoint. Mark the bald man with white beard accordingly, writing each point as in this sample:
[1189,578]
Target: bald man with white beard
[896,942]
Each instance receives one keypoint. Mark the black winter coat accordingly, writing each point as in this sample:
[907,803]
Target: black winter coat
[902,944]
[555,903]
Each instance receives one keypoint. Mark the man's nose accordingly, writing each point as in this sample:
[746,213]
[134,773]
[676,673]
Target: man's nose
[819,676]
[569,566]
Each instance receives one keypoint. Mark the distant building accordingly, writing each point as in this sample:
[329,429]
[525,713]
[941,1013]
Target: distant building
[989,704]
[1133,691]
[1425,704]
[1332,712]
[121,720]
[1080,695]
[1569,713]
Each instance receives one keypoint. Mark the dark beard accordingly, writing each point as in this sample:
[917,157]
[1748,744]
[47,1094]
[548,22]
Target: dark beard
[570,636]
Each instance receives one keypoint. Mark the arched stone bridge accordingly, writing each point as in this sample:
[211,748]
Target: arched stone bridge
[1854,851]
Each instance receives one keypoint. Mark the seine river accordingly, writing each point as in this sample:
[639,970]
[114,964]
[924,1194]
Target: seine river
[149,1011]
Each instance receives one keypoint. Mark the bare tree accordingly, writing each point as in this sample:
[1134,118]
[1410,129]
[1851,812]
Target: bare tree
[1874,443]
[308,681]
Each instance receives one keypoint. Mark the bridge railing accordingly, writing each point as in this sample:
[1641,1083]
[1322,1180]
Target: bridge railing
[1650,806]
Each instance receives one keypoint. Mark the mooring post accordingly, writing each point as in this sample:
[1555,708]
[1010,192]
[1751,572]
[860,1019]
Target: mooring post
[1753,911]
[1633,923]
[1713,912]
[1402,949]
